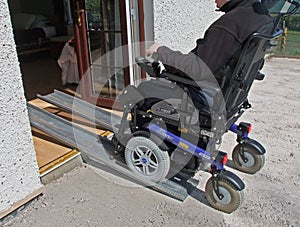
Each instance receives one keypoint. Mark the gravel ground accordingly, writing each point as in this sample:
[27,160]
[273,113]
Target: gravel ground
[88,196]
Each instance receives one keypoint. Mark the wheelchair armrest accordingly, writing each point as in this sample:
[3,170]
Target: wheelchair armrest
[204,85]
[152,68]
[211,89]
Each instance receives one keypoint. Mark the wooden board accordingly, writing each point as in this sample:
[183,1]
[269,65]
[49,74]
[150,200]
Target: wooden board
[20,203]
[50,152]
[47,149]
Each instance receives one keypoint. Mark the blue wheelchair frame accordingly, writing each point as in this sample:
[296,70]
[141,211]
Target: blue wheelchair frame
[195,150]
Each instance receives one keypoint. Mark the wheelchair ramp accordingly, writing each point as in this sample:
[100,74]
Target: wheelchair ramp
[99,149]
[100,117]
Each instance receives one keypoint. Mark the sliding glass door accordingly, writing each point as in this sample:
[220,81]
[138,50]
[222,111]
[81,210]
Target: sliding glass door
[104,32]
[107,57]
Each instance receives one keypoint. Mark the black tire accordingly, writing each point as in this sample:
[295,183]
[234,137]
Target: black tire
[233,198]
[255,160]
[146,159]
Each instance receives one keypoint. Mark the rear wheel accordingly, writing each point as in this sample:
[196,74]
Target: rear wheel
[251,161]
[146,159]
[232,198]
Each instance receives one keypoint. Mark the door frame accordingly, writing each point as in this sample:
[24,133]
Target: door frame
[82,49]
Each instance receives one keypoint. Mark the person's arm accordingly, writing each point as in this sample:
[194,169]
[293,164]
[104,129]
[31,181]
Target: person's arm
[188,65]
[175,62]
[213,51]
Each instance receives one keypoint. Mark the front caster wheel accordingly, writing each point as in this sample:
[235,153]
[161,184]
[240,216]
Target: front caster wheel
[247,159]
[146,159]
[231,197]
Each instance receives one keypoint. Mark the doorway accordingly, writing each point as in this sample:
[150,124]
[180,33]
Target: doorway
[98,30]
[41,30]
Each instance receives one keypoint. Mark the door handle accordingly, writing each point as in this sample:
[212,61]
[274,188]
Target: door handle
[78,11]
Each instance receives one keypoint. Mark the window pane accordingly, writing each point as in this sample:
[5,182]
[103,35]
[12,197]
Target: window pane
[104,37]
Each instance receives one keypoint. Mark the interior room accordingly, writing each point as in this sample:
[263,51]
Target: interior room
[41,31]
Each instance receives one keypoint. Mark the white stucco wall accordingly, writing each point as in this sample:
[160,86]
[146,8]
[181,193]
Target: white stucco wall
[19,175]
[179,23]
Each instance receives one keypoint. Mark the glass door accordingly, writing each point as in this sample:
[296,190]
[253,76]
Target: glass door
[101,34]
[106,38]
[105,31]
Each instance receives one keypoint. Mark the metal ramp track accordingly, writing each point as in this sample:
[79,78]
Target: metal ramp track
[101,117]
[95,147]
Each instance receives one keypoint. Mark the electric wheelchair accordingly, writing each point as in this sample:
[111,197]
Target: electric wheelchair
[165,127]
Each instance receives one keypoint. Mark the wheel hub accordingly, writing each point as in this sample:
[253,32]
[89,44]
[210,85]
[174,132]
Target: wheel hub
[225,198]
[145,161]
[248,160]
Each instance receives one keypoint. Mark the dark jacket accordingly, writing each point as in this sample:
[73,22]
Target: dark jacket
[221,40]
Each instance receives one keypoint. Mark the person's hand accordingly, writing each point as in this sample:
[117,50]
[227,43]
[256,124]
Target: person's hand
[152,49]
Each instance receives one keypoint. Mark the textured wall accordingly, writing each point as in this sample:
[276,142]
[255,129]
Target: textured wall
[18,167]
[179,23]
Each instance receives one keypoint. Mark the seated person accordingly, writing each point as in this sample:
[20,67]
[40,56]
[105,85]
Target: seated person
[222,40]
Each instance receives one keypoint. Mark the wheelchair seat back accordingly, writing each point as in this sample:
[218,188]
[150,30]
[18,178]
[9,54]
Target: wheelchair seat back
[236,83]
